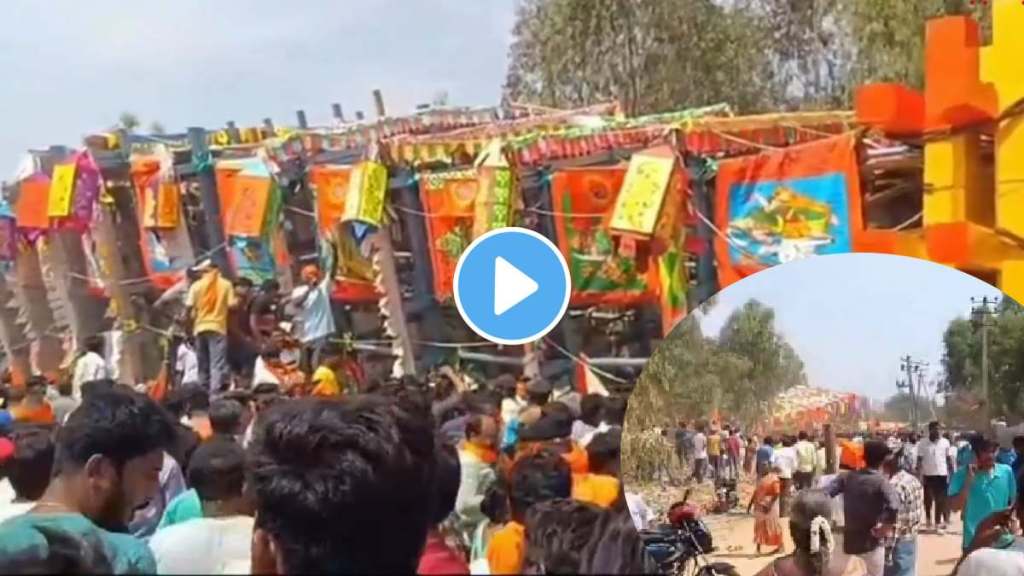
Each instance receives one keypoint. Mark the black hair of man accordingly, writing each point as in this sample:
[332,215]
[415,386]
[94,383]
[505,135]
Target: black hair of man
[217,471]
[474,425]
[94,343]
[97,387]
[614,413]
[119,425]
[556,533]
[802,435]
[980,444]
[590,410]
[447,477]
[30,466]
[556,407]
[538,478]
[495,502]
[615,547]
[65,388]
[343,486]
[1018,443]
[604,452]
[933,425]
[226,417]
[769,441]
[875,452]
[64,552]
[270,287]
[242,282]
[35,385]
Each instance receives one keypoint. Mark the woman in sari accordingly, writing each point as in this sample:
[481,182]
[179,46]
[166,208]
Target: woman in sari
[810,525]
[765,502]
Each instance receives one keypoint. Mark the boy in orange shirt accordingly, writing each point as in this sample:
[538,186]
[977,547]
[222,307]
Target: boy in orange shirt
[535,478]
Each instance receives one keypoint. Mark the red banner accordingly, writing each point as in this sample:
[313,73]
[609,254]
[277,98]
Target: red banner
[331,183]
[448,200]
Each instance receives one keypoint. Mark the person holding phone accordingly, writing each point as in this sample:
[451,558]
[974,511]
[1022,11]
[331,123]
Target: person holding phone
[994,551]
[981,488]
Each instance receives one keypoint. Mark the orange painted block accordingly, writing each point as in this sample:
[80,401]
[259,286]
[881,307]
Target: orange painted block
[900,243]
[954,95]
[892,108]
[966,245]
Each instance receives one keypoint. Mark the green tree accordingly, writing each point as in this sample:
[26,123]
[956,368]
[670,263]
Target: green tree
[128,121]
[157,128]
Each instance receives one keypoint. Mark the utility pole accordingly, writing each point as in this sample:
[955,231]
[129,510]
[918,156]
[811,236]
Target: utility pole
[982,314]
[912,367]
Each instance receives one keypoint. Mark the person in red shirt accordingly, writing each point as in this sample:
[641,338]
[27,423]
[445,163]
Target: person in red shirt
[33,407]
[442,553]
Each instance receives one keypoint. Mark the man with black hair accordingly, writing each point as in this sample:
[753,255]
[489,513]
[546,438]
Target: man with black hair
[934,464]
[90,365]
[341,486]
[438,556]
[981,488]
[108,459]
[477,454]
[534,479]
[600,486]
[28,469]
[538,393]
[209,299]
[264,312]
[910,494]
[590,417]
[557,531]
[185,438]
[219,541]
[870,507]
[242,347]
[226,419]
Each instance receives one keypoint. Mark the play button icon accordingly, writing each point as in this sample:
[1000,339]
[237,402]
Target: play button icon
[512,286]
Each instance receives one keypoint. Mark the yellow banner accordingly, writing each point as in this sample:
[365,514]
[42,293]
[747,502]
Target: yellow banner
[62,188]
[643,192]
[367,190]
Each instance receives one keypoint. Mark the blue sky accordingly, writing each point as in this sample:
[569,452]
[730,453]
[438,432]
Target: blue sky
[71,67]
[851,316]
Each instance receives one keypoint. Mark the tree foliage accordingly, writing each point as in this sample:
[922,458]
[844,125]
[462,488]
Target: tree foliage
[657,55]
[962,353]
[739,372]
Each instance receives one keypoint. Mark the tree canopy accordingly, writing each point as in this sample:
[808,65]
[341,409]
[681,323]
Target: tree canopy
[757,55]
[961,361]
[740,372]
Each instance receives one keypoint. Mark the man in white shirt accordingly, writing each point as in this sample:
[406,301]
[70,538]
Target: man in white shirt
[90,366]
[187,365]
[700,454]
[220,541]
[934,465]
[785,460]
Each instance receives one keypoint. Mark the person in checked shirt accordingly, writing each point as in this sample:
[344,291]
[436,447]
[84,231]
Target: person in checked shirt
[901,546]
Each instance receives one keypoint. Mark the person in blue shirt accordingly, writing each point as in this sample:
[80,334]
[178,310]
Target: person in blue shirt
[982,487]
[764,456]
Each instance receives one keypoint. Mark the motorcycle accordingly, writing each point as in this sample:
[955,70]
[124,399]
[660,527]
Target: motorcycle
[680,548]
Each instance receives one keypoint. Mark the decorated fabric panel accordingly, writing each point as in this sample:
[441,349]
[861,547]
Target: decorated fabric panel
[331,186]
[449,201]
[784,205]
[253,258]
[669,251]
[493,205]
[367,193]
[33,200]
[166,251]
[245,206]
[583,201]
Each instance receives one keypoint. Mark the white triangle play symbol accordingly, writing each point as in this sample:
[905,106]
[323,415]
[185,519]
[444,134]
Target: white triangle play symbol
[511,286]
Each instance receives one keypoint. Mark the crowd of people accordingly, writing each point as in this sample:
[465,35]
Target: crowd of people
[865,518]
[427,476]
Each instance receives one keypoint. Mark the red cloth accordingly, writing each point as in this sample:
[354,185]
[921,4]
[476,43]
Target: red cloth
[438,558]
[6,449]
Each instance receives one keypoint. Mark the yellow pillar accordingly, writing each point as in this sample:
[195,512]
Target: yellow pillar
[958,188]
[1002,64]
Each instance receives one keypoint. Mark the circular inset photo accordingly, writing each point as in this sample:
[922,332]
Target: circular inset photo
[846,414]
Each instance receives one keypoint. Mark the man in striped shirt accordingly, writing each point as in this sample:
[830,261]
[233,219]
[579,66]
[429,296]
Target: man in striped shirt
[901,546]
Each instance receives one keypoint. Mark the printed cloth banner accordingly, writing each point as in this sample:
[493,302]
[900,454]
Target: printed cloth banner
[785,205]
[639,201]
[252,258]
[449,200]
[88,186]
[669,251]
[493,206]
[602,273]
[367,191]
[331,186]
[247,213]
[166,252]
[33,200]
[62,188]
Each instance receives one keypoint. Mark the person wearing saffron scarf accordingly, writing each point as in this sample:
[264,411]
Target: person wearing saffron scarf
[536,478]
[601,486]
[477,456]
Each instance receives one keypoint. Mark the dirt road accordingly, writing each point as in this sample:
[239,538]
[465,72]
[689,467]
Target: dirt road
[733,534]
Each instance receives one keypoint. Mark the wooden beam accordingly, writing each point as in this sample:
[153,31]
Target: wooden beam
[378,103]
[336,111]
[215,238]
[300,115]
[233,134]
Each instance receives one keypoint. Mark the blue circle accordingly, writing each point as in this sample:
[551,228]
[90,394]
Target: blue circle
[531,255]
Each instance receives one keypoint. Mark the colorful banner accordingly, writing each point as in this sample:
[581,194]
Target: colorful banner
[62,188]
[493,206]
[583,201]
[331,184]
[449,201]
[643,192]
[31,208]
[367,192]
[247,214]
[166,252]
[669,251]
[786,205]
